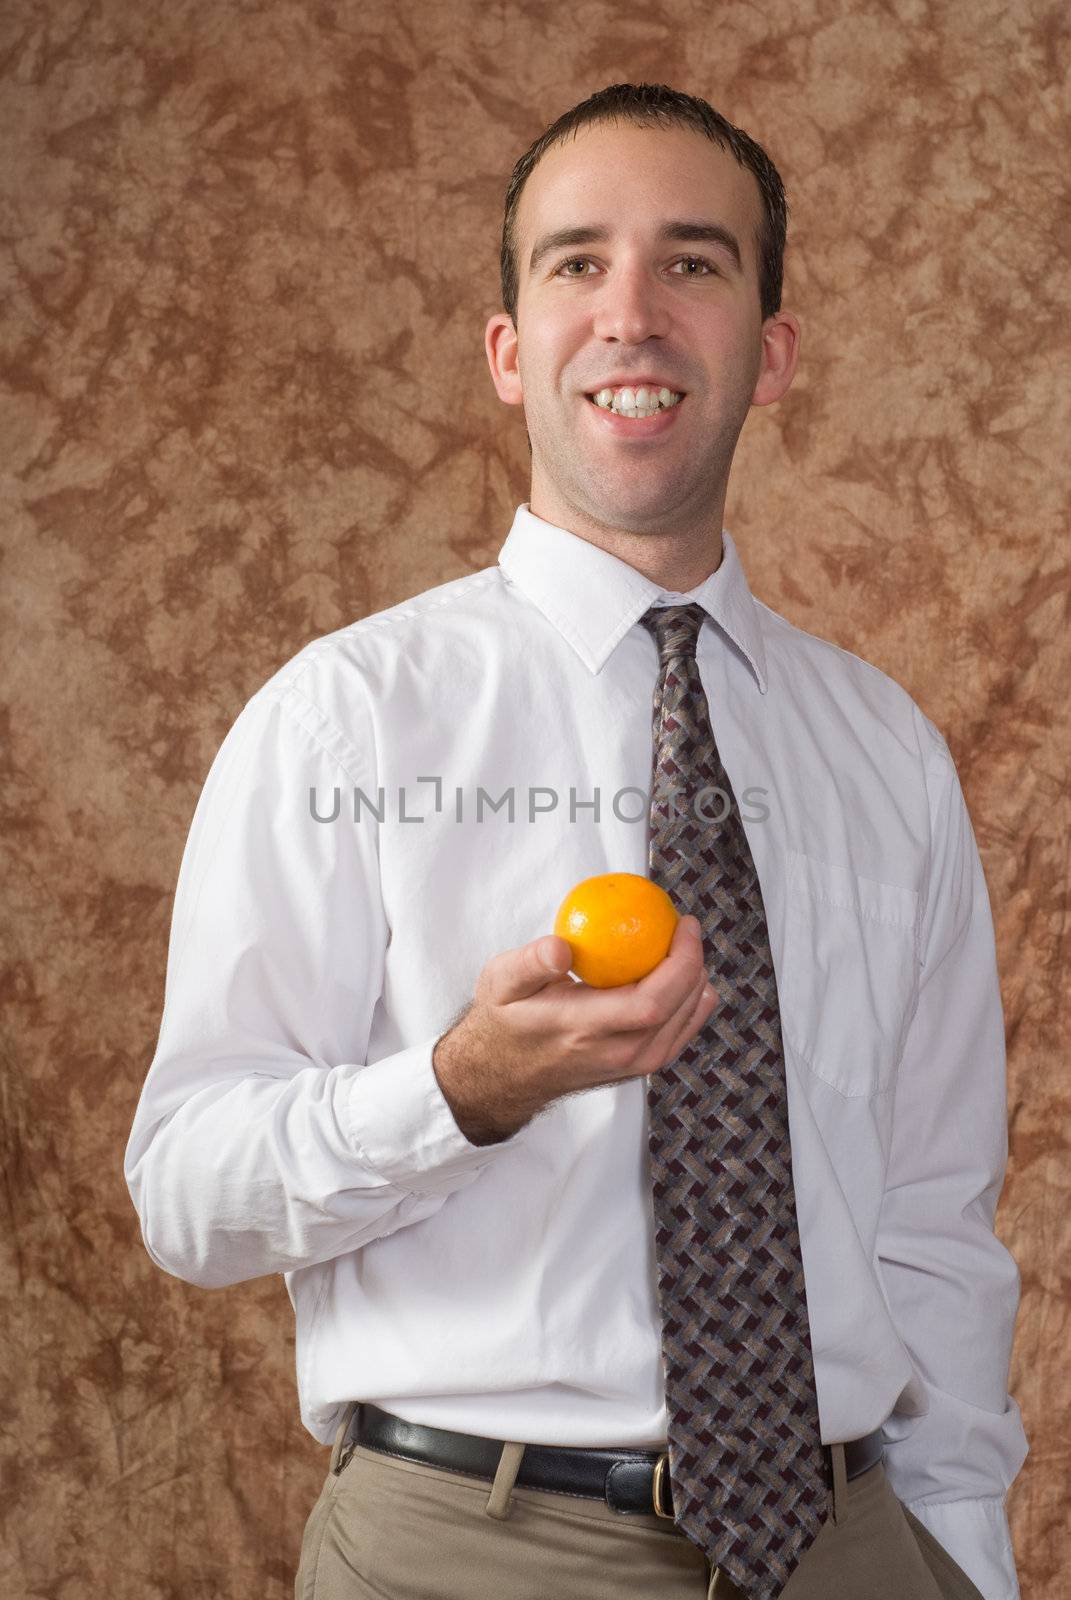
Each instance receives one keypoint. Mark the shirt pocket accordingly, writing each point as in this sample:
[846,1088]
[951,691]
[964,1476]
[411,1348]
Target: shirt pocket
[850,973]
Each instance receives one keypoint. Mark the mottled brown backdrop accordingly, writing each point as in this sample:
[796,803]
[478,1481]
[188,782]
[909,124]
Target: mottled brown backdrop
[247,254]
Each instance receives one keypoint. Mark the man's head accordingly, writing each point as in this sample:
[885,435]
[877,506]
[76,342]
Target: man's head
[632,161]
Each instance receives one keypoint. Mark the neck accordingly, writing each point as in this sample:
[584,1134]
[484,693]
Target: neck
[678,561]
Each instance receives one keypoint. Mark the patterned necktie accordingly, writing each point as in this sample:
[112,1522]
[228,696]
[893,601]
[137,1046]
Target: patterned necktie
[750,1478]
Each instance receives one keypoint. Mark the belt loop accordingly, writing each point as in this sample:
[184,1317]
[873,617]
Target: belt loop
[509,1464]
[840,1483]
[340,1435]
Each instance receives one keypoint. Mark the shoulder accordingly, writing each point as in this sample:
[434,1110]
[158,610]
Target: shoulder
[370,652]
[827,677]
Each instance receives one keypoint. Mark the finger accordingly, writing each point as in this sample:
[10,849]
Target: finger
[619,1012]
[667,1042]
[695,1022]
[650,1051]
[670,985]
[516,974]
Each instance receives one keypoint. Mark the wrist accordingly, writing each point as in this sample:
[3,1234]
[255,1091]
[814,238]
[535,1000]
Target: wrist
[465,1088]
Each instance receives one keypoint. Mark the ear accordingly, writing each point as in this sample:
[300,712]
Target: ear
[500,343]
[780,355]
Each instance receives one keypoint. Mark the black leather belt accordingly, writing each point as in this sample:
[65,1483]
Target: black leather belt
[628,1480]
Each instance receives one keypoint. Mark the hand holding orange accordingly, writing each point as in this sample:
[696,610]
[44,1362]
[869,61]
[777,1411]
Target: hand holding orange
[618,925]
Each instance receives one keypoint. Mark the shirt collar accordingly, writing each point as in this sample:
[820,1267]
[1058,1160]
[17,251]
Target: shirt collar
[593,597]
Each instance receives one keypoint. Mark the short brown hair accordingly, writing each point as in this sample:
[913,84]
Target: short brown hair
[650,103]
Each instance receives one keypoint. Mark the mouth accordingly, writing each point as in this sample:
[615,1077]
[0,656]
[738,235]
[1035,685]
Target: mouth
[653,388]
[623,426]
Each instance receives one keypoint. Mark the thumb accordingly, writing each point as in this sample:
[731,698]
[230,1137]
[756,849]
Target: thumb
[554,953]
[531,967]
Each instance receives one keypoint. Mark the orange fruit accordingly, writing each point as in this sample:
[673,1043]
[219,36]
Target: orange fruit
[618,925]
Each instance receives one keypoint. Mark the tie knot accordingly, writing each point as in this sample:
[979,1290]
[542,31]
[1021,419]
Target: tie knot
[675,629]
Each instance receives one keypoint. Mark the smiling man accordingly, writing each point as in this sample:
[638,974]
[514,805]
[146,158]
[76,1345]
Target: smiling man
[688,1288]
[640,266]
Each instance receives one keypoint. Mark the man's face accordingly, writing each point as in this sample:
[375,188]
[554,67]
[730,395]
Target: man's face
[633,305]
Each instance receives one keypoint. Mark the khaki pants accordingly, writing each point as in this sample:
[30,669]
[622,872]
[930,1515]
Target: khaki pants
[388,1529]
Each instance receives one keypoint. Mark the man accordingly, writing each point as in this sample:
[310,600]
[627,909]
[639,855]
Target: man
[376,1075]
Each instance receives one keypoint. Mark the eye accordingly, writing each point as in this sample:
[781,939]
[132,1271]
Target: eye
[573,261]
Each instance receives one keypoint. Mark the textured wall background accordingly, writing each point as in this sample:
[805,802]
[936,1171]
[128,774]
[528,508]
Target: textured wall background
[247,253]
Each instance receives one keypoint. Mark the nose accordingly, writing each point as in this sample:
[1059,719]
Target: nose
[631,307]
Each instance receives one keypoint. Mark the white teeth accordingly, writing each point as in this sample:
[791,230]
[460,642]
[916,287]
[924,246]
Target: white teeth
[640,402]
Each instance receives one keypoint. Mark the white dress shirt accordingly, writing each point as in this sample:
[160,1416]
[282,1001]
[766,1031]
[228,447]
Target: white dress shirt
[291,1120]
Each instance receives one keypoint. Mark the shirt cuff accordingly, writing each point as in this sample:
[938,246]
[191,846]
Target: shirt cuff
[399,1120]
[976,1535]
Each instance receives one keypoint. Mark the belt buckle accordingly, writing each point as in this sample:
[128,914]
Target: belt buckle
[656,1486]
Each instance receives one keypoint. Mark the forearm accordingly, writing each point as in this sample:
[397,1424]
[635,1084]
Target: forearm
[951,1283]
[258,1173]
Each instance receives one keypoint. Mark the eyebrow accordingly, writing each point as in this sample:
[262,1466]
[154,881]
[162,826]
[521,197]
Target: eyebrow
[686,232]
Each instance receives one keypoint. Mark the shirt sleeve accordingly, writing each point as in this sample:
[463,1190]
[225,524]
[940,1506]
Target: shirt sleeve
[263,1140]
[952,1286]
